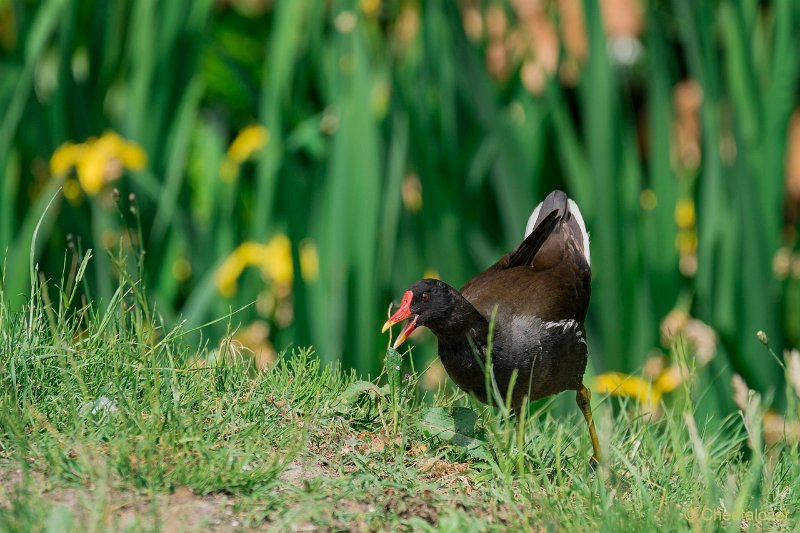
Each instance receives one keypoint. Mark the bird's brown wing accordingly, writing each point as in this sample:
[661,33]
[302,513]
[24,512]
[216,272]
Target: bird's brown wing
[525,291]
[546,276]
[532,245]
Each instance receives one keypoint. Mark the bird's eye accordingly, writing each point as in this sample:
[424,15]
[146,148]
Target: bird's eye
[426,296]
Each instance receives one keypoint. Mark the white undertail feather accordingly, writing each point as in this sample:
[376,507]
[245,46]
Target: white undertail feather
[573,208]
[532,220]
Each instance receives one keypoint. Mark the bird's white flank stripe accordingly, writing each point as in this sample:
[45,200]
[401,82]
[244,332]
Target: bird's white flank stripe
[563,325]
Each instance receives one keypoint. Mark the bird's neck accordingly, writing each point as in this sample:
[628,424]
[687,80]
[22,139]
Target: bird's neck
[462,323]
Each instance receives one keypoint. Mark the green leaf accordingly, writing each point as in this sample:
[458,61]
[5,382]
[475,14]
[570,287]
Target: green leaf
[353,393]
[456,426]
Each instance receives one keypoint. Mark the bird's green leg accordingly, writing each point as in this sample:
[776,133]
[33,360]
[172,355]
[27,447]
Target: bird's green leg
[583,398]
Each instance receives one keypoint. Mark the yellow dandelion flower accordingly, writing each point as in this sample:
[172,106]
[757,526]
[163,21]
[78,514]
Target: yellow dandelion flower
[64,158]
[91,168]
[276,260]
[108,144]
[247,142]
[98,161]
[250,252]
[228,274]
[129,153]
[309,261]
[619,384]
[132,155]
[684,213]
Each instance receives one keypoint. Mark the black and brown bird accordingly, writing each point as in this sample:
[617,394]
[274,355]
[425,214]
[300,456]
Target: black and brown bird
[539,295]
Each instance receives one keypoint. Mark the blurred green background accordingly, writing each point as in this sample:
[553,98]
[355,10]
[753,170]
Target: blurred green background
[318,157]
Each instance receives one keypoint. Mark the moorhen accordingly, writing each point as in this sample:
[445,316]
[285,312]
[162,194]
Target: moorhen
[538,293]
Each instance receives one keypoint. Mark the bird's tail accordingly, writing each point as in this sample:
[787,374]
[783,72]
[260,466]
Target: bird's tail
[567,211]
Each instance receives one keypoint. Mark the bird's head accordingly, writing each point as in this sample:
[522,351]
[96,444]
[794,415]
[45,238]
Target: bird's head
[429,302]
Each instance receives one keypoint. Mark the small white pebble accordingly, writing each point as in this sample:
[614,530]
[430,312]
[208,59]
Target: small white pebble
[103,404]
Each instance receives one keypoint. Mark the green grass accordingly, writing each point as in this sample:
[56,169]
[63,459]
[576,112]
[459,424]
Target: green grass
[110,421]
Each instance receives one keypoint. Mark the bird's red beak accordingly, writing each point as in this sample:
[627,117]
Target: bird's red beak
[403,313]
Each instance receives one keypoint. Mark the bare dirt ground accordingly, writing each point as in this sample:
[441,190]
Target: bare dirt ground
[106,507]
[310,490]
